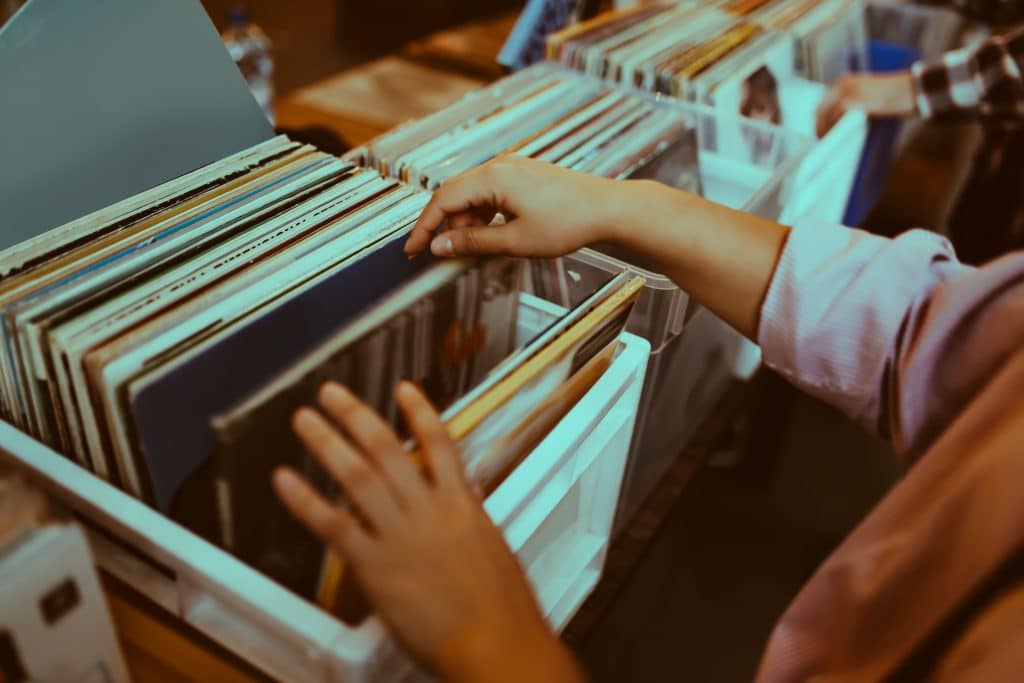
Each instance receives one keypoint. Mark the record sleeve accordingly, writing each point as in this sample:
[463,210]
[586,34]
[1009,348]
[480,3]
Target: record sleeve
[471,333]
[497,424]
[171,410]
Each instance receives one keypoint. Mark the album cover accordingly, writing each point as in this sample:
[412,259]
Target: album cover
[497,423]
[471,328]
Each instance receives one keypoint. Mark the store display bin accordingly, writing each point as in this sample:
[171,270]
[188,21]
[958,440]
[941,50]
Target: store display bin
[556,510]
[690,367]
[694,355]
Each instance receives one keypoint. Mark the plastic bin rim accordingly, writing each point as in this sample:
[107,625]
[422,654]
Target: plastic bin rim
[654,280]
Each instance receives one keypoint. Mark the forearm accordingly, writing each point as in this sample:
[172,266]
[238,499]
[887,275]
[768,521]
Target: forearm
[522,657]
[723,258]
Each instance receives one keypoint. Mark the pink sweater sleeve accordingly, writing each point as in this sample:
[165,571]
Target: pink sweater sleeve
[929,353]
[846,311]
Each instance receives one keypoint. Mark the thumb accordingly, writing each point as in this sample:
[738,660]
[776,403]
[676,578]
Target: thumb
[478,241]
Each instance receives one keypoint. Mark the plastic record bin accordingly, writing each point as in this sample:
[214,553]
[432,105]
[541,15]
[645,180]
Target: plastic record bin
[694,355]
[555,509]
[687,373]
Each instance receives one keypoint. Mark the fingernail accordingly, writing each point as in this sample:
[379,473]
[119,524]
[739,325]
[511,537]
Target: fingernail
[333,390]
[442,246]
[303,418]
[284,479]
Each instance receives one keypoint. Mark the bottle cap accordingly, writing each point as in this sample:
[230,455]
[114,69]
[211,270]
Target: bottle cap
[238,15]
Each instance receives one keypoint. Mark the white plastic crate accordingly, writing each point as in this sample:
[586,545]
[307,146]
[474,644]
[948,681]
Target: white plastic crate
[52,608]
[687,376]
[556,510]
[685,381]
[690,367]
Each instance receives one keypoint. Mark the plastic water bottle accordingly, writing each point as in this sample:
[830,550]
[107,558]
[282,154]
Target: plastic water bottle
[249,46]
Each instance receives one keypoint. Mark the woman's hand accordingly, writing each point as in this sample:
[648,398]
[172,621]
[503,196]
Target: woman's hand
[424,551]
[723,258]
[548,211]
[876,94]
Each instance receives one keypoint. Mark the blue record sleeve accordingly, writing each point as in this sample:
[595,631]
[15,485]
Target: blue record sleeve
[172,414]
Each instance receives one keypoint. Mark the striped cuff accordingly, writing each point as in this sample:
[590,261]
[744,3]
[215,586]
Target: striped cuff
[947,85]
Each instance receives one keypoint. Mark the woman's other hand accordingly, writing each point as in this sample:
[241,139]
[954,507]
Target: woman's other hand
[879,95]
[422,547]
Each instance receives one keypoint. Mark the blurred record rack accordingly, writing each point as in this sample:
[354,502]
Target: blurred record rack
[555,507]
[766,73]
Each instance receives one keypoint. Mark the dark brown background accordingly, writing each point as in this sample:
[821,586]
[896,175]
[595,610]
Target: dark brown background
[316,38]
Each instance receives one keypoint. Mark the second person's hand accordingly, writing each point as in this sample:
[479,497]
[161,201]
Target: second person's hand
[548,211]
[879,95]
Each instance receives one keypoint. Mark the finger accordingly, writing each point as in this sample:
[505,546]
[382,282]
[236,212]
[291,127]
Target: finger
[329,522]
[459,194]
[430,432]
[465,219]
[480,241]
[376,438]
[486,214]
[360,481]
